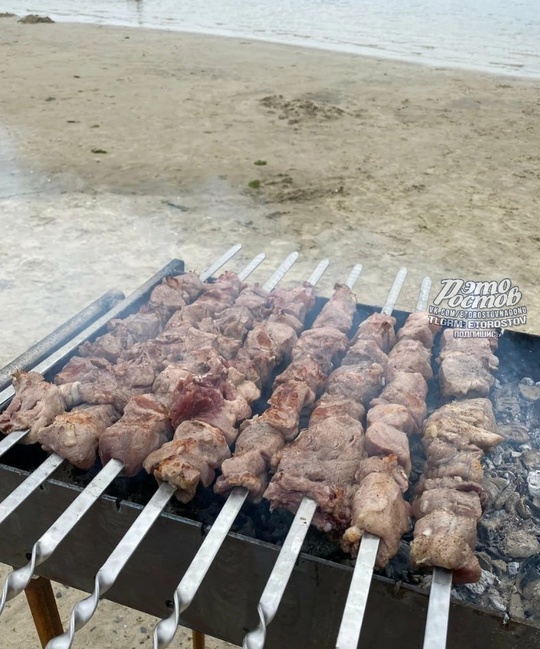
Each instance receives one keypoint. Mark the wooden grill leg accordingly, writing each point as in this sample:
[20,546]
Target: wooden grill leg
[40,596]
[198,640]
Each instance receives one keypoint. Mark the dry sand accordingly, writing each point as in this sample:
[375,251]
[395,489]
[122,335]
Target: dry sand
[125,148]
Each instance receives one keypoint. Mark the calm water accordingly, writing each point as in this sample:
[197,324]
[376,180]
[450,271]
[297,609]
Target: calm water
[496,35]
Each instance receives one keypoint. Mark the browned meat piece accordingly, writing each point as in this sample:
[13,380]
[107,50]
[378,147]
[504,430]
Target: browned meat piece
[256,447]
[463,423]
[103,389]
[459,503]
[287,319]
[175,292]
[168,380]
[445,540]
[481,348]
[108,346]
[271,338]
[122,335]
[445,460]
[320,464]
[192,456]
[408,389]
[35,405]
[286,404]
[388,464]
[462,375]
[136,327]
[254,364]
[256,300]
[234,322]
[418,327]
[242,386]
[477,412]
[81,369]
[357,382]
[215,298]
[393,414]
[378,507]
[211,400]
[382,439]
[304,369]
[339,311]
[333,406]
[456,482]
[144,427]
[326,345]
[295,301]
[409,356]
[75,435]
[365,351]
[136,373]
[380,328]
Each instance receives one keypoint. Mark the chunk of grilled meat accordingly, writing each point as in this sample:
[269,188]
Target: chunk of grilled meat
[36,403]
[408,389]
[198,448]
[365,350]
[392,414]
[378,507]
[175,292]
[463,423]
[418,327]
[464,376]
[378,328]
[257,449]
[447,540]
[409,356]
[333,406]
[382,439]
[320,464]
[339,311]
[326,345]
[75,435]
[123,333]
[143,428]
[359,383]
[387,464]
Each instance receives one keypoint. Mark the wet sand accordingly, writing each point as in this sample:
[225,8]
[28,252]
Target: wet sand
[130,147]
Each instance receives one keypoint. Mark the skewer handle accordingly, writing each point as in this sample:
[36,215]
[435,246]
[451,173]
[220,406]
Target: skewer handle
[43,548]
[353,614]
[438,609]
[281,573]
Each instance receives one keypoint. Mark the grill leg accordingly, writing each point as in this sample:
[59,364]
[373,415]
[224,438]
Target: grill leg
[43,607]
[198,640]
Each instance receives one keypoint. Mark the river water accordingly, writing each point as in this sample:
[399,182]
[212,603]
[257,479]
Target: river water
[495,35]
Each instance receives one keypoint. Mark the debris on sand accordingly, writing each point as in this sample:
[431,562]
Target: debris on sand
[6,14]
[32,19]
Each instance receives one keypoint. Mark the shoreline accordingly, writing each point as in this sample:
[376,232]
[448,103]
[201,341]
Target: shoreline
[507,70]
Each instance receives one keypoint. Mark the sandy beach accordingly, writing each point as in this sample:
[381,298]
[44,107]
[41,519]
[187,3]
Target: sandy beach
[125,148]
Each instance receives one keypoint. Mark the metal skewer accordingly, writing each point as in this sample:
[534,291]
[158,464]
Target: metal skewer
[107,575]
[120,308]
[49,466]
[50,342]
[166,629]
[353,614]
[438,609]
[279,578]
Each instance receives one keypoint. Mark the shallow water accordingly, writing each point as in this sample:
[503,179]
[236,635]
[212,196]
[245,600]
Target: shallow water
[496,35]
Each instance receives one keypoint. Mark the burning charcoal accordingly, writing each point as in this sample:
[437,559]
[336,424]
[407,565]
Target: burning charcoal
[496,601]
[529,390]
[514,432]
[513,568]
[520,544]
[528,585]
[485,581]
[533,482]
[531,459]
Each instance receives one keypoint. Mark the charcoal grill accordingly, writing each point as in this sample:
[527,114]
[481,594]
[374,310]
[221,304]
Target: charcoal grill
[226,603]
